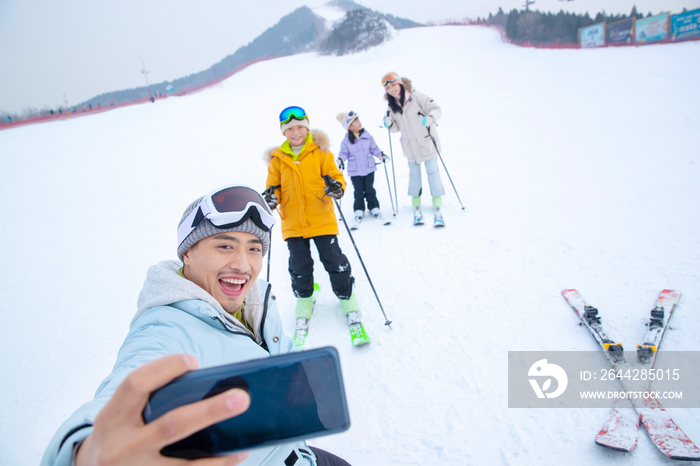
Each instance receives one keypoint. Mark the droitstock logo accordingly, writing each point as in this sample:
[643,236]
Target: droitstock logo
[585,379]
[541,369]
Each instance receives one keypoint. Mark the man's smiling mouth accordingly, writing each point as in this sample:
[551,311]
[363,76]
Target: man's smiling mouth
[233,285]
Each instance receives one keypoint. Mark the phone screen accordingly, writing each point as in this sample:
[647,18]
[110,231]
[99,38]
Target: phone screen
[293,396]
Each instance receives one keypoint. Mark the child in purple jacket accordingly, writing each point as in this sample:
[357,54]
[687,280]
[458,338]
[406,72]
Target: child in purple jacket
[359,149]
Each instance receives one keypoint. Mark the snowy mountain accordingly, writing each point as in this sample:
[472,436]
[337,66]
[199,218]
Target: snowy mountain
[358,30]
[577,169]
[302,30]
[335,11]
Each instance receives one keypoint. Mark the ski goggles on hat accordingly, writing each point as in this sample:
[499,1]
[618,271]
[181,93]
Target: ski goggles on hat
[289,113]
[227,208]
[390,78]
[350,116]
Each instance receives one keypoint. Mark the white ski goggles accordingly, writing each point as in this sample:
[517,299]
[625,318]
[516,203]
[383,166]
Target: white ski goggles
[227,208]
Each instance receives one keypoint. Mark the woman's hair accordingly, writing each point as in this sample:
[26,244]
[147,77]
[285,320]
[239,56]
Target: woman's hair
[351,136]
[395,107]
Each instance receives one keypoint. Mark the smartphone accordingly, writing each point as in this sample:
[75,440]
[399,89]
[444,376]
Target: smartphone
[293,396]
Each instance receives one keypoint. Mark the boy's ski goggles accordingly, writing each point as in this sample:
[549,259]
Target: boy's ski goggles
[390,78]
[227,208]
[290,113]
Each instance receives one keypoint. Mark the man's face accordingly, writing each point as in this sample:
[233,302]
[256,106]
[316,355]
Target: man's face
[296,135]
[225,266]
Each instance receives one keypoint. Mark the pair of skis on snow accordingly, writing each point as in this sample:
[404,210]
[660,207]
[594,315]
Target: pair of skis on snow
[417,220]
[621,427]
[358,220]
[438,222]
[357,331]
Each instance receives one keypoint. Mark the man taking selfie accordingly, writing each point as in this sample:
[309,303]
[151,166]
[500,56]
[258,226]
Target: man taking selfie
[208,310]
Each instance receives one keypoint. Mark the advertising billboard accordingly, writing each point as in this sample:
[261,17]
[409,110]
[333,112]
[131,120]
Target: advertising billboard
[620,32]
[685,25]
[652,29]
[592,36]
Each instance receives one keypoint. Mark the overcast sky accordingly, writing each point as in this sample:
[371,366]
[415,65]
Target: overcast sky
[76,49]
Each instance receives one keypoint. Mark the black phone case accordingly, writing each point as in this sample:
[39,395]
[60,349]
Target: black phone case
[294,396]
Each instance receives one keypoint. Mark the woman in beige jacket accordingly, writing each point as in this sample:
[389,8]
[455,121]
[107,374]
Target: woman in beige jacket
[414,114]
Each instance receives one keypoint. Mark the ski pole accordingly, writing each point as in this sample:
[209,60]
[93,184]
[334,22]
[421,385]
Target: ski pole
[269,253]
[330,182]
[270,190]
[443,164]
[391,151]
[388,185]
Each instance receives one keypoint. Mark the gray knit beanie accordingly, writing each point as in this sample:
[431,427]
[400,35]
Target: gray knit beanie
[206,229]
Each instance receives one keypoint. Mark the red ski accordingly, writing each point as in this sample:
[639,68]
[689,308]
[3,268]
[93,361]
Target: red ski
[668,437]
[620,429]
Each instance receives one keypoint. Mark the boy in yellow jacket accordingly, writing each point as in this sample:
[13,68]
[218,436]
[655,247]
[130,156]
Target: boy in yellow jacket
[295,182]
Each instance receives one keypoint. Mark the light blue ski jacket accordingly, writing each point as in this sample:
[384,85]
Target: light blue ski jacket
[176,316]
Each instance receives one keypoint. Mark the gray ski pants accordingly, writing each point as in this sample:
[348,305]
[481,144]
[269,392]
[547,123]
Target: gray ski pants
[415,179]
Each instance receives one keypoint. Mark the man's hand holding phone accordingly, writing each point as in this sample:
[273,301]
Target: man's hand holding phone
[121,437]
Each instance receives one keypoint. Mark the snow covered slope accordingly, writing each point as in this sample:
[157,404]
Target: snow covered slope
[578,168]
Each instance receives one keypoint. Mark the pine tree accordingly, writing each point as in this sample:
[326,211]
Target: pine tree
[512,24]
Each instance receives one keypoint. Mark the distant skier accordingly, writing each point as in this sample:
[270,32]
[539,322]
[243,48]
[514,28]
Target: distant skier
[359,149]
[295,182]
[414,115]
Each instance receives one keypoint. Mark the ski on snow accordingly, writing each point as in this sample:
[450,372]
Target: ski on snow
[356,225]
[418,217]
[302,324]
[620,429]
[358,335]
[357,330]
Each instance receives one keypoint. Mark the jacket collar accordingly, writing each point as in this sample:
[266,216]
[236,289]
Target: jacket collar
[289,159]
[286,147]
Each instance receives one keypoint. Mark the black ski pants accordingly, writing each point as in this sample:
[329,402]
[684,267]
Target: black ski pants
[301,265]
[364,189]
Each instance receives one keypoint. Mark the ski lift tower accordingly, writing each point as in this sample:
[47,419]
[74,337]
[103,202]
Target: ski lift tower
[145,75]
[527,4]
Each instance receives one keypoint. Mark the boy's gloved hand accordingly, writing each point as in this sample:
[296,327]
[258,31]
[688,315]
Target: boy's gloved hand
[333,188]
[335,191]
[271,199]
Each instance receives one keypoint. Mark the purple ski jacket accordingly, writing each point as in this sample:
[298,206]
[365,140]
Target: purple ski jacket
[360,155]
